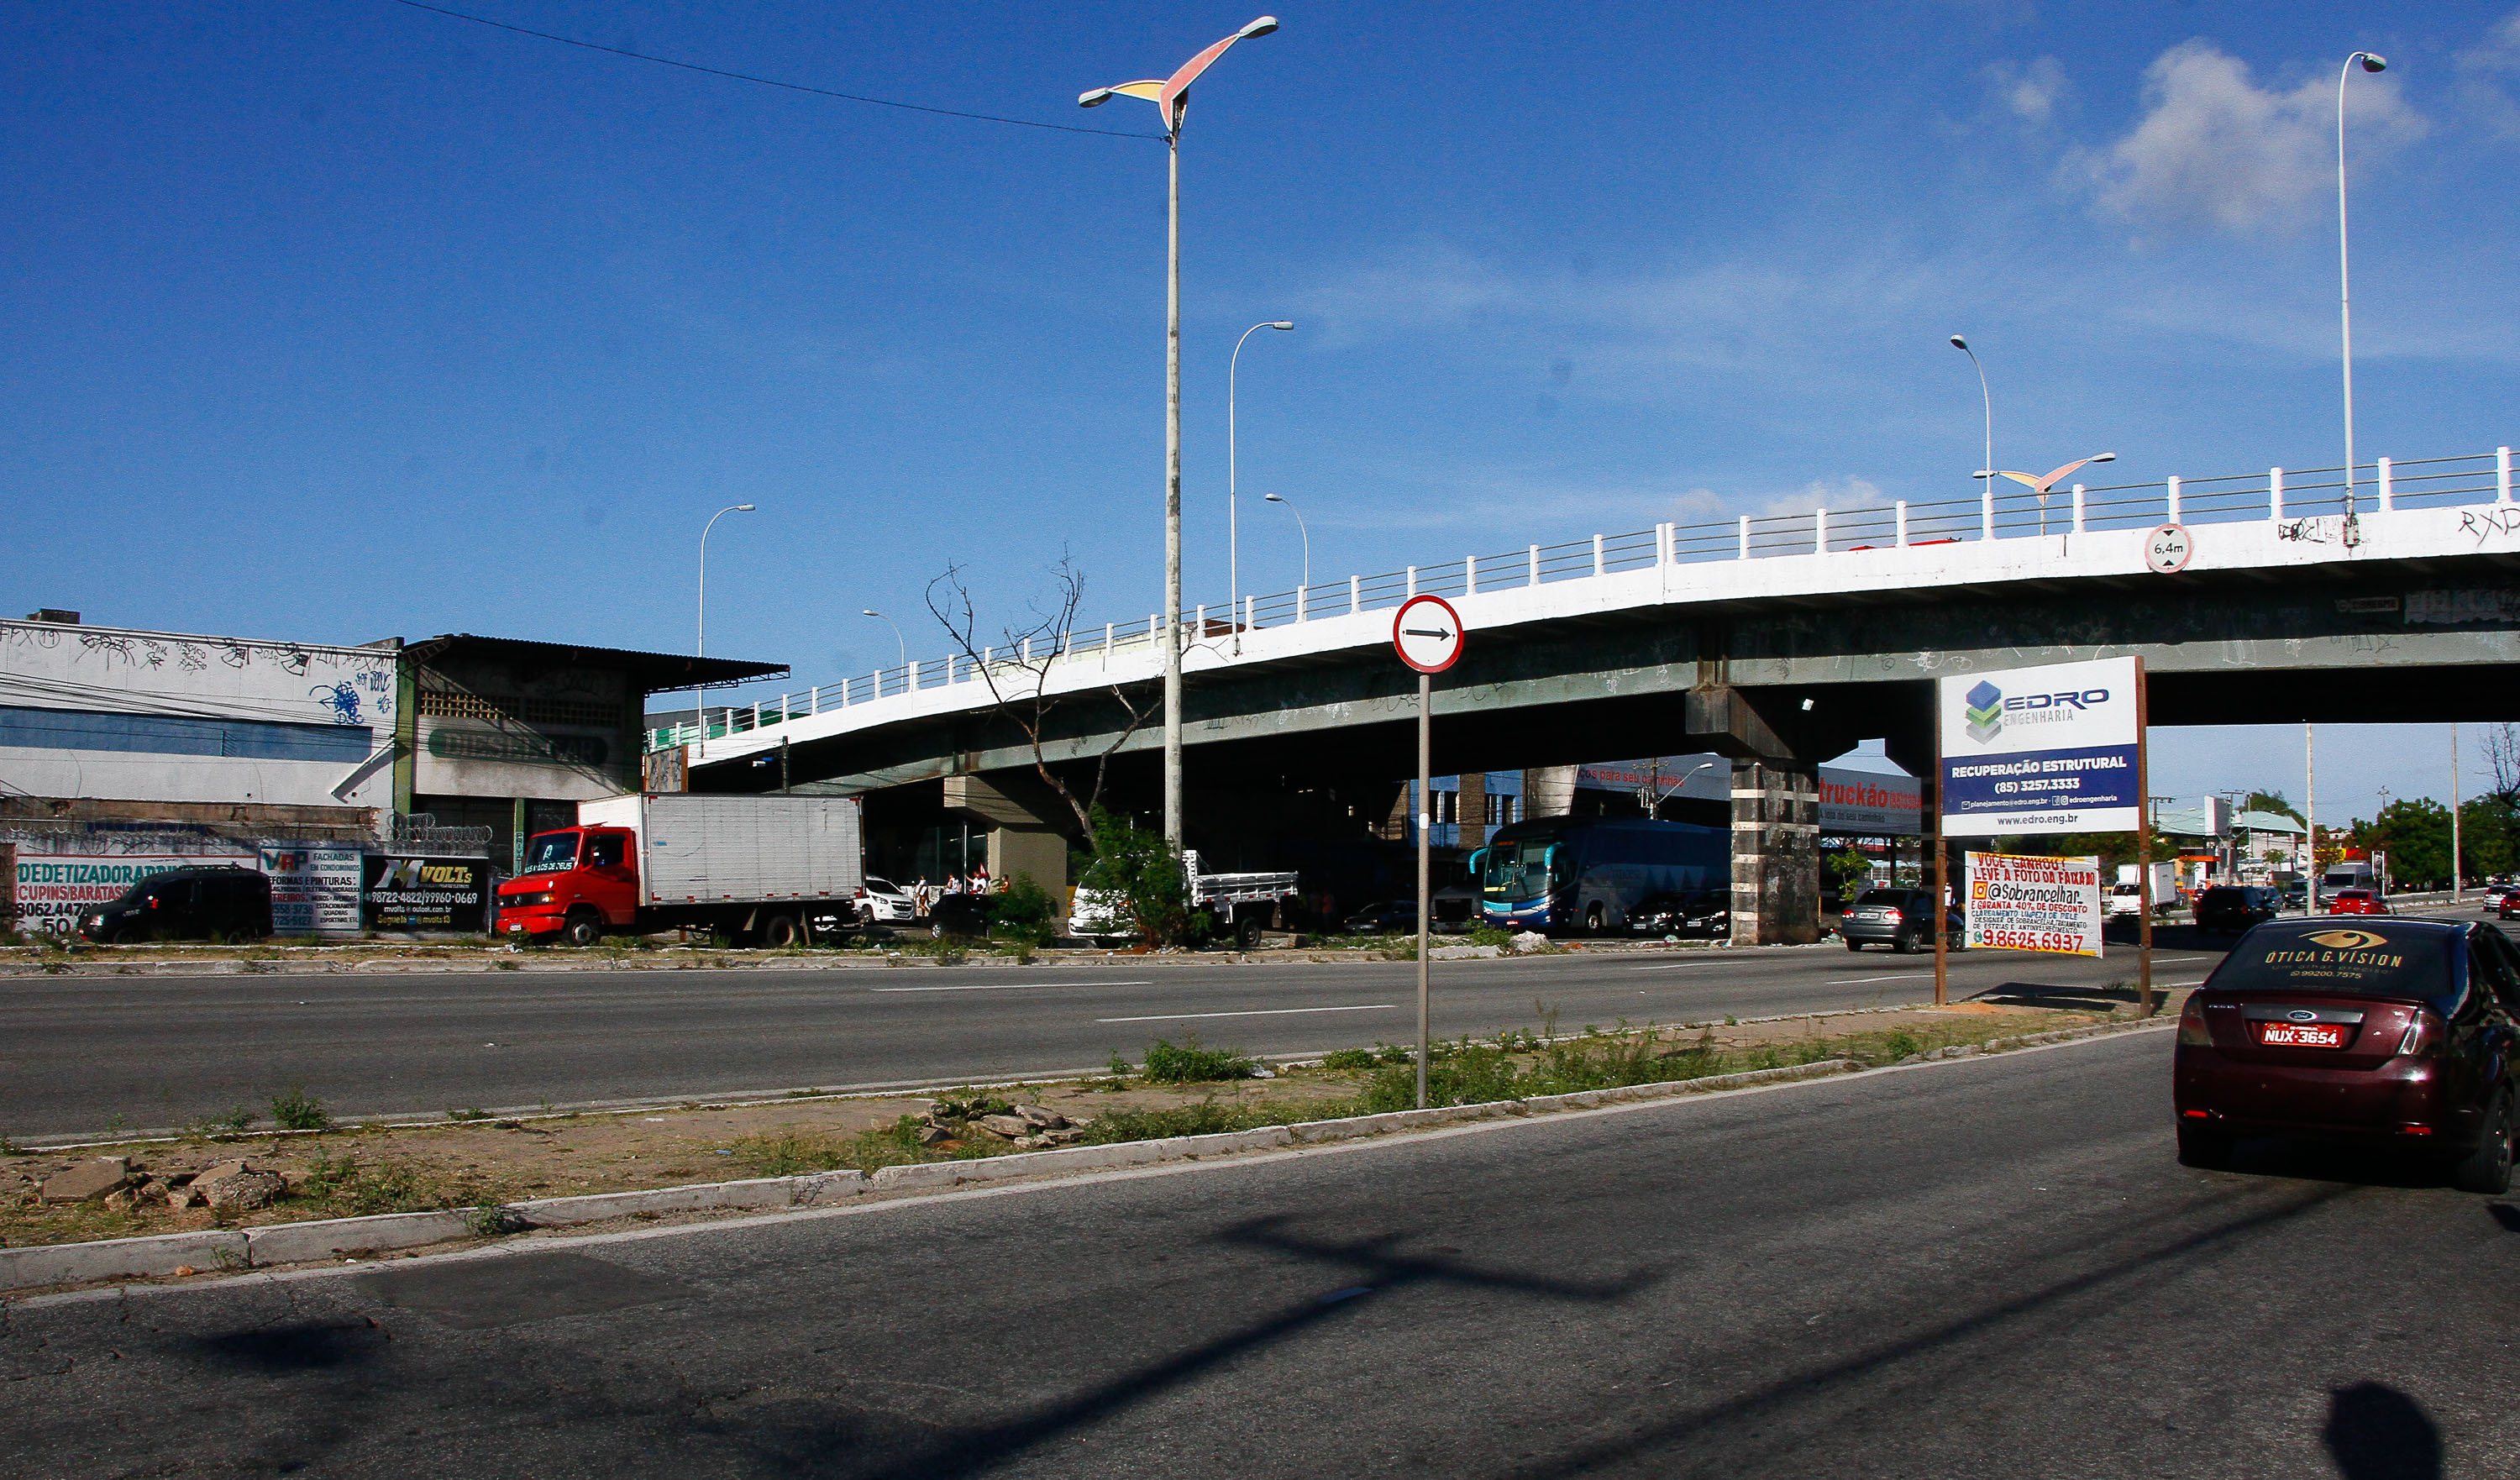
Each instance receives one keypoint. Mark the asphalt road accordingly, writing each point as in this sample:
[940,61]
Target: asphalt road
[85,1055]
[1981,1268]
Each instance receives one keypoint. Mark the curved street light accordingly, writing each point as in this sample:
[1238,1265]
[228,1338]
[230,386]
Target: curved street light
[2043,486]
[897,643]
[1987,519]
[2344,277]
[700,644]
[1301,591]
[1233,503]
[1172,97]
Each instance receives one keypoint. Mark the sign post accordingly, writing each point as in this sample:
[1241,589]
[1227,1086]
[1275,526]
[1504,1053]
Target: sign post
[1426,632]
[2057,748]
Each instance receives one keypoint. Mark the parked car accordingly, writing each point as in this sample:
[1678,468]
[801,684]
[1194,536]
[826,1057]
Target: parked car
[2494,896]
[2296,895]
[880,901]
[2511,905]
[225,901]
[2233,908]
[1899,918]
[1705,913]
[2357,902]
[2397,1034]
[1387,916]
[960,914]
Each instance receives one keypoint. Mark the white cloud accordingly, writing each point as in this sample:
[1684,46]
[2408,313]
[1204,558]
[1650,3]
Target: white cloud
[2032,93]
[2214,144]
[2483,71]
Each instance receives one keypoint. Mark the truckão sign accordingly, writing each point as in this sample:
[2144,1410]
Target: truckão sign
[2047,749]
[2017,903]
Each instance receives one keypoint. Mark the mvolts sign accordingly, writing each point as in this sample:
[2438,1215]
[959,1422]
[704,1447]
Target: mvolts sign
[2047,749]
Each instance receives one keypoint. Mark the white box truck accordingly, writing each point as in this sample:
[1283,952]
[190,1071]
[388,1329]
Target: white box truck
[754,868]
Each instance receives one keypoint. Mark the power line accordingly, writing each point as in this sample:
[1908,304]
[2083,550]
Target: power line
[793,87]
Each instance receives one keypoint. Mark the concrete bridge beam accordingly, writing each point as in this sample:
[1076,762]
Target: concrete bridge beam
[1021,817]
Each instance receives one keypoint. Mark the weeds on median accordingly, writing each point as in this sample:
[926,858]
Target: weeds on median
[294,1110]
[1190,1064]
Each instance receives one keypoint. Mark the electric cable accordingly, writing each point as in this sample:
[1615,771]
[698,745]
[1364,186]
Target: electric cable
[793,87]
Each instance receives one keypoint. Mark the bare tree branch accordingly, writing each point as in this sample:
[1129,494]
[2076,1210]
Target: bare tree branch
[1017,677]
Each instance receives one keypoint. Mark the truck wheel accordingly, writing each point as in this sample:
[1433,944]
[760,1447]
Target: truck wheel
[2487,1168]
[585,927]
[780,931]
[1247,931]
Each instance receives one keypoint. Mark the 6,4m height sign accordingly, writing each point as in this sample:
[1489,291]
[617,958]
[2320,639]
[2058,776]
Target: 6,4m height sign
[2047,749]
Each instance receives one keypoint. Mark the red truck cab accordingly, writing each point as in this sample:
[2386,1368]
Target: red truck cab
[577,882]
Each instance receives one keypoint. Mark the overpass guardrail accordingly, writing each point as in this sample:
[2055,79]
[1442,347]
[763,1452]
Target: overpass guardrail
[2009,511]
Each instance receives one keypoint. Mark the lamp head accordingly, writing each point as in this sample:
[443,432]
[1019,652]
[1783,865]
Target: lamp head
[1094,98]
[1272,498]
[1283,324]
[2372,64]
[1958,343]
[1266,24]
[743,508]
[870,611]
[2105,457]
[1983,472]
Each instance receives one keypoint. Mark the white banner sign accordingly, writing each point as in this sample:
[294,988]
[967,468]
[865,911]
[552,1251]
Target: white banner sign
[2048,749]
[2035,904]
[314,888]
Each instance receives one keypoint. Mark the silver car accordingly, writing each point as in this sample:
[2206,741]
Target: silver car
[1899,918]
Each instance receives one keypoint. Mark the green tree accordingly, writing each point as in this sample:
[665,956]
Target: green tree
[1132,864]
[1024,911]
[2489,835]
[2272,802]
[2415,834]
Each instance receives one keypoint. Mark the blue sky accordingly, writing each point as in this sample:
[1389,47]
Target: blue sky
[343,319]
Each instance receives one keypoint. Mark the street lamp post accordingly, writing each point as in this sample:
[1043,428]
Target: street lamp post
[902,648]
[1232,501]
[1275,497]
[700,644]
[1986,521]
[2043,486]
[2344,277]
[1172,96]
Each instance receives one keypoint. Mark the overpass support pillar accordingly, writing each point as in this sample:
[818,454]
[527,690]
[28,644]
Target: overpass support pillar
[1021,839]
[1775,853]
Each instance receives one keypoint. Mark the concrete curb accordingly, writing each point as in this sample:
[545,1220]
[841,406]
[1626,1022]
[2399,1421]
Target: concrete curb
[325,1238]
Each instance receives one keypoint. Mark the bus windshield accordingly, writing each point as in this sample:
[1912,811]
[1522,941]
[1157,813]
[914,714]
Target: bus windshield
[1516,871]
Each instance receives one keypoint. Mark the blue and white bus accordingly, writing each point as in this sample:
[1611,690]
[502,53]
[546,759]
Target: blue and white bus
[1591,873]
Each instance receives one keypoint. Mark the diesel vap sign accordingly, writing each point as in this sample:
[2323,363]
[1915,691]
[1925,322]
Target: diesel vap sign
[2047,749]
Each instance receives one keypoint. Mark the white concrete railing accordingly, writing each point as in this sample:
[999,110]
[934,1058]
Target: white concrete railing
[2279,497]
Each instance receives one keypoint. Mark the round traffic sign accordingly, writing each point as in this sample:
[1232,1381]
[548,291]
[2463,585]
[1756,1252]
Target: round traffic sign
[1427,634]
[2167,549]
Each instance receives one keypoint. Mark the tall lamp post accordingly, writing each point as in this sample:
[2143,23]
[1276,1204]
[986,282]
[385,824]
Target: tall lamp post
[1986,519]
[1172,96]
[1232,501]
[700,644]
[900,647]
[1301,591]
[2344,277]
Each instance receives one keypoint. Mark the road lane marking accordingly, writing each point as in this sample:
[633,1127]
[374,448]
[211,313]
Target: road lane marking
[1014,986]
[1857,981]
[1676,965]
[1370,1006]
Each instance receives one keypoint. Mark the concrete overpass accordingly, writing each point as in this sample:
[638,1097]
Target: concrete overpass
[1777,640]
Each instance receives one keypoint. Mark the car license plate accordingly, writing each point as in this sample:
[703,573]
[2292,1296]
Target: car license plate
[2302,1035]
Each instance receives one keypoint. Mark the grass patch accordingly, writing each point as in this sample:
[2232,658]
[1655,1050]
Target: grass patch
[1192,1064]
[294,1110]
[351,1186]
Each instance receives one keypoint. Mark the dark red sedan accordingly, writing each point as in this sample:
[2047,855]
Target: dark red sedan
[2398,1032]
[2357,902]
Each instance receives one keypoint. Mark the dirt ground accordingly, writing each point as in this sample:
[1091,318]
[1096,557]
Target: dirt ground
[375,1168]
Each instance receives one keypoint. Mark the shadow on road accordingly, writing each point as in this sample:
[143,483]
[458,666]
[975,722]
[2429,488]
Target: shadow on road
[2374,1433]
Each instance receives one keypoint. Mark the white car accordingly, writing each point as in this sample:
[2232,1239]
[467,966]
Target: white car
[880,901]
[2126,899]
[1101,918]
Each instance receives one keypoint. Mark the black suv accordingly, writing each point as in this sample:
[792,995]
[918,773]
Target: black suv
[2233,908]
[1899,918]
[186,904]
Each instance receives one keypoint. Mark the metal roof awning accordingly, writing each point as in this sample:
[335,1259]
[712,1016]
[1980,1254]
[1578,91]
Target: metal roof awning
[649,672]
